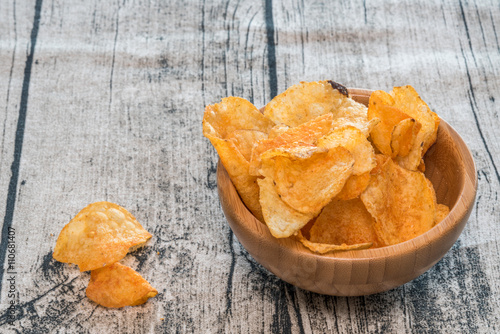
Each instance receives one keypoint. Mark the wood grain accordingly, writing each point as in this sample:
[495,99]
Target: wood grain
[113,112]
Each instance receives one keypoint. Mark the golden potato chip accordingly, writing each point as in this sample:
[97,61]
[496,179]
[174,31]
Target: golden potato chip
[244,140]
[237,168]
[403,137]
[360,122]
[117,286]
[355,141]
[277,130]
[281,219]
[308,100]
[100,234]
[302,135]
[402,202]
[381,106]
[344,222]
[354,186]
[441,212]
[223,125]
[308,181]
[233,113]
[407,100]
[326,248]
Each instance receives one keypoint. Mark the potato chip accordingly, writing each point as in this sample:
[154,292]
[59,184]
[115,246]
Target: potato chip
[282,220]
[277,130]
[326,248]
[441,212]
[303,135]
[118,286]
[355,141]
[354,186]
[227,125]
[244,140]
[307,182]
[237,168]
[233,113]
[381,106]
[100,234]
[403,137]
[344,222]
[360,122]
[407,100]
[402,202]
[308,100]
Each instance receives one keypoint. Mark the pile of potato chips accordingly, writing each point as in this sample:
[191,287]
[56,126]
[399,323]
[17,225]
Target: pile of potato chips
[320,167]
[97,238]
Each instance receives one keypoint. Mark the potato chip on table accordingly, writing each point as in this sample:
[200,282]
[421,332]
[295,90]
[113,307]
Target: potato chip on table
[117,286]
[100,234]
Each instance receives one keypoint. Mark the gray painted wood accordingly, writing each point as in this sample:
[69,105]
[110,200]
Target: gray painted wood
[110,96]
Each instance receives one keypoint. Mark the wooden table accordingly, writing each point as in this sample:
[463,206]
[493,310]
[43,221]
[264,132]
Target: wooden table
[103,100]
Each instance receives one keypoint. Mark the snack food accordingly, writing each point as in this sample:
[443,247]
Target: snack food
[117,286]
[319,177]
[98,237]
[102,233]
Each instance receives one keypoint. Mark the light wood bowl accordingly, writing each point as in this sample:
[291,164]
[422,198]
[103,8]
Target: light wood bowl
[451,169]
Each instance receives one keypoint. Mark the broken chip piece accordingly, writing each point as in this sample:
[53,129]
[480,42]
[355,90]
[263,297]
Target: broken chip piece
[100,234]
[118,286]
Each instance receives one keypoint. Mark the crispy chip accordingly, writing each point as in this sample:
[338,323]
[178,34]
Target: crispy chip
[308,179]
[233,113]
[237,168]
[402,202]
[354,186]
[282,220]
[361,122]
[277,130]
[381,106]
[403,137]
[227,125]
[407,100]
[305,134]
[100,234]
[344,222]
[326,248]
[244,140]
[117,286]
[308,100]
[355,141]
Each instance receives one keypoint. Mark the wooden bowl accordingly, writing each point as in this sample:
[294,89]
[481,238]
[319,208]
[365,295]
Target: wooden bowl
[451,169]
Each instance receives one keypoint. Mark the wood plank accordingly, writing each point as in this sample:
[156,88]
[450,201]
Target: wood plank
[116,98]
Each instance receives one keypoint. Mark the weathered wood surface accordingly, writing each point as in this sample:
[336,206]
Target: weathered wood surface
[104,101]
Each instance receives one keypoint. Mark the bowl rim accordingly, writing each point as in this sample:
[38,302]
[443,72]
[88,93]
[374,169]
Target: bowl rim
[458,212]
